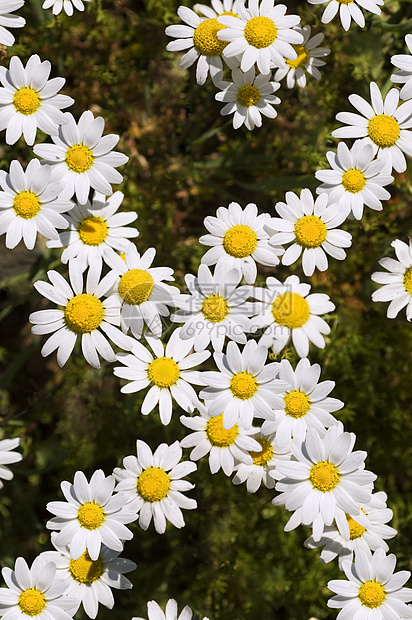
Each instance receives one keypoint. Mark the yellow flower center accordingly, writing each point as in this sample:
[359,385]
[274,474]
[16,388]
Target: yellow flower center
[205,38]
[93,230]
[324,476]
[345,1]
[383,130]
[243,385]
[26,100]
[91,515]
[355,529]
[407,280]
[353,180]
[310,231]
[86,570]
[372,594]
[290,310]
[219,436]
[26,204]
[302,59]
[260,32]
[136,286]
[262,458]
[297,403]
[79,158]
[215,308]
[83,313]
[228,13]
[248,95]
[153,484]
[164,372]
[240,241]
[32,601]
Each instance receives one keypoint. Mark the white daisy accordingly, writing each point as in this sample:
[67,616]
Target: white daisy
[7,456]
[373,590]
[288,312]
[384,125]
[9,20]
[90,581]
[245,387]
[261,34]
[168,373]
[404,63]
[355,180]
[307,61]
[303,404]
[153,486]
[247,97]
[95,229]
[216,308]
[154,612]
[83,314]
[357,537]
[30,203]
[398,282]
[348,10]
[82,158]
[219,7]
[310,224]
[325,481]
[91,516]
[67,5]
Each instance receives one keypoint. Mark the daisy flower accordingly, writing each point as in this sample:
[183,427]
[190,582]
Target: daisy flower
[398,282]
[247,97]
[82,314]
[404,63]
[384,125]
[153,486]
[82,158]
[261,34]
[7,456]
[30,203]
[29,100]
[67,5]
[325,481]
[355,180]
[373,590]
[96,230]
[239,240]
[348,10]
[91,516]
[90,581]
[9,20]
[244,387]
[303,404]
[307,61]
[219,7]
[310,225]
[288,312]
[216,308]
[154,612]
[168,374]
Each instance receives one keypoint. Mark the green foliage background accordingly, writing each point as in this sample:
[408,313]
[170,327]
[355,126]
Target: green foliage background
[232,561]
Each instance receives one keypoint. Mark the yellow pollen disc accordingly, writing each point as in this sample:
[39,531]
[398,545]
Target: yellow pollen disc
[356,530]
[383,130]
[353,180]
[310,231]
[86,570]
[26,100]
[219,436]
[136,286]
[372,594]
[345,1]
[79,158]
[164,372]
[248,95]
[262,458]
[324,476]
[297,403]
[243,385]
[26,204]
[91,515]
[290,310]
[228,13]
[93,230]
[260,32]
[153,484]
[240,241]
[215,308]
[32,602]
[301,60]
[84,313]
[205,38]
[407,280]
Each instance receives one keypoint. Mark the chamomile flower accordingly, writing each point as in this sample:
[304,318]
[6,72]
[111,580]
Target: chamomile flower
[247,97]
[307,61]
[9,20]
[168,374]
[67,5]
[82,158]
[96,230]
[404,76]
[239,240]
[384,125]
[91,516]
[348,10]
[8,456]
[30,203]
[82,315]
[154,612]
[29,100]
[355,180]
[219,7]
[153,486]
[288,312]
[397,284]
[311,225]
